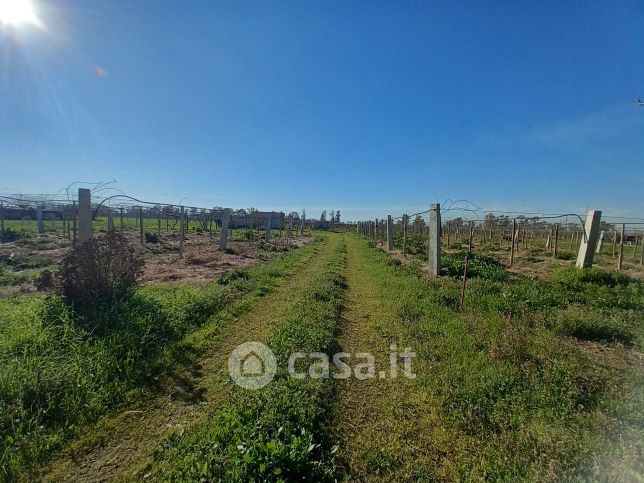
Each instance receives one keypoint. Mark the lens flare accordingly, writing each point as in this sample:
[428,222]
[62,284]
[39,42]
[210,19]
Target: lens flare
[16,12]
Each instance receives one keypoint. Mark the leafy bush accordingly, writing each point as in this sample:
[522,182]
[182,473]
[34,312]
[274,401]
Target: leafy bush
[99,272]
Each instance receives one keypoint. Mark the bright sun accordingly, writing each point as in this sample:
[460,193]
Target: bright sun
[15,12]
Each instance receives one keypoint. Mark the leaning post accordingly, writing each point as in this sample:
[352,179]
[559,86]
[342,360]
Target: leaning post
[434,259]
[600,242]
[589,241]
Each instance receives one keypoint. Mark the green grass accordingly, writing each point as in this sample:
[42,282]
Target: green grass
[278,432]
[55,378]
[515,388]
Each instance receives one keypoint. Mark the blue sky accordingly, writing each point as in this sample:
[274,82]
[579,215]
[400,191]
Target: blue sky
[367,107]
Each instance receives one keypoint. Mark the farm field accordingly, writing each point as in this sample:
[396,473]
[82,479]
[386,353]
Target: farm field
[537,376]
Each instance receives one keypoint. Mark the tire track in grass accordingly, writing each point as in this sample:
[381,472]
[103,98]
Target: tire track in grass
[382,427]
[278,432]
[121,446]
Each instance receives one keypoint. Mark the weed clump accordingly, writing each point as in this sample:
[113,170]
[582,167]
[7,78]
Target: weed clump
[100,271]
[482,266]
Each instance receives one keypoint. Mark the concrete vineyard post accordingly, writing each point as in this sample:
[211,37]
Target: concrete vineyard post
[434,259]
[589,241]
[390,233]
[600,242]
[84,214]
[110,220]
[223,237]
[39,220]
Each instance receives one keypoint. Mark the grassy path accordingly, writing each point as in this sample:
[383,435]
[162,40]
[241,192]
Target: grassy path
[121,446]
[500,391]
[377,423]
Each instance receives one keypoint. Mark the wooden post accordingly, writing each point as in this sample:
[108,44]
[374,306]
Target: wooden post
[1,217]
[621,250]
[641,254]
[404,247]
[182,230]
[110,220]
[121,219]
[390,233]
[554,251]
[448,232]
[514,226]
[141,234]
[637,238]
[491,232]
[434,261]
[467,259]
[159,225]
[614,241]
[469,248]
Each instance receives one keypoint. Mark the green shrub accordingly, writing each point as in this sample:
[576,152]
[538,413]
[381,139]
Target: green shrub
[99,272]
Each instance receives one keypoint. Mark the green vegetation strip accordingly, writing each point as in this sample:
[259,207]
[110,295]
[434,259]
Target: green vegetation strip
[277,432]
[532,379]
[55,377]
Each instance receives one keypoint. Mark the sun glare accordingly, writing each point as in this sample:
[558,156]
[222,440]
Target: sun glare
[16,12]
